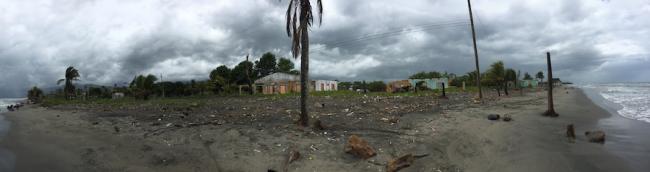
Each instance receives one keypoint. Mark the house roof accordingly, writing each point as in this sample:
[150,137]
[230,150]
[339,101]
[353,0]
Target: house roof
[275,77]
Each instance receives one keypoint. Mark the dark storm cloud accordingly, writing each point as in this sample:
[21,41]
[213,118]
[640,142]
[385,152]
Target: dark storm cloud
[111,41]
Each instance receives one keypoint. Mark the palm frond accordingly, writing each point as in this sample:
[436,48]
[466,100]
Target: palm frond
[320,12]
[59,81]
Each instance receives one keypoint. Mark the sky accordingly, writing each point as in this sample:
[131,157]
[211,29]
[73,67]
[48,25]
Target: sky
[110,41]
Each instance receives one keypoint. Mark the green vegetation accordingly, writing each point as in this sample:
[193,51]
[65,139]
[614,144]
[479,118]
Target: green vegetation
[266,65]
[425,75]
[35,95]
[540,76]
[142,86]
[71,74]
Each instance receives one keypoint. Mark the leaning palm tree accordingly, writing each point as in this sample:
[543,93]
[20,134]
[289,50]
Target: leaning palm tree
[71,74]
[299,18]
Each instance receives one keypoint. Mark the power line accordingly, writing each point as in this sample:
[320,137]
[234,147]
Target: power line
[397,33]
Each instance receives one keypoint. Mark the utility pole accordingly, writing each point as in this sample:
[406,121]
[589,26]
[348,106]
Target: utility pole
[248,77]
[162,84]
[551,111]
[478,72]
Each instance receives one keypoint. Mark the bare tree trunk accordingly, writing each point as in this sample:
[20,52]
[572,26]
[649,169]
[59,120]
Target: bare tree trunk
[551,111]
[304,76]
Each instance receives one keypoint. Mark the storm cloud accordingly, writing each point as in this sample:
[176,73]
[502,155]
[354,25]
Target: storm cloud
[110,41]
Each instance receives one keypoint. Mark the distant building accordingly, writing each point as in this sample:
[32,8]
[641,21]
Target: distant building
[282,83]
[398,86]
[557,82]
[432,83]
[325,85]
[278,83]
[406,85]
[528,83]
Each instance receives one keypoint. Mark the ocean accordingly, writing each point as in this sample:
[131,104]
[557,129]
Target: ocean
[627,128]
[629,100]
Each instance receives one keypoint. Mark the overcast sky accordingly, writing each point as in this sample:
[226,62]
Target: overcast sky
[110,41]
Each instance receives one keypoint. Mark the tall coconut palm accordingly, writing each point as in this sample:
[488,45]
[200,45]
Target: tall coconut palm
[71,74]
[299,18]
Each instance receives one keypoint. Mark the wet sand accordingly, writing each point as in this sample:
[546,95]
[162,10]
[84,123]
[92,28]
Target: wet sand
[456,136]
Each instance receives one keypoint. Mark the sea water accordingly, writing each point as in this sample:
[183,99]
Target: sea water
[631,100]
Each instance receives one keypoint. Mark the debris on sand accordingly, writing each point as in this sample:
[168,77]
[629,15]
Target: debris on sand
[596,136]
[493,117]
[293,156]
[359,147]
[570,132]
[318,125]
[400,163]
[507,118]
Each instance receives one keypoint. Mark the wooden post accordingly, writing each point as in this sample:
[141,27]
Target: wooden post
[551,111]
[478,72]
[443,90]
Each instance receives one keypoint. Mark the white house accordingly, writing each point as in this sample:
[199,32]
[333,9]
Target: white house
[325,85]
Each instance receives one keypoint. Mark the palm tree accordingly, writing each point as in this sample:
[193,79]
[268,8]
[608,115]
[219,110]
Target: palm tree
[299,18]
[71,74]
[510,76]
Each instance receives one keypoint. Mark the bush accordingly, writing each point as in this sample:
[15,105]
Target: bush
[35,95]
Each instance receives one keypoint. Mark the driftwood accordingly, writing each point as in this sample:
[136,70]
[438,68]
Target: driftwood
[570,132]
[402,162]
[293,156]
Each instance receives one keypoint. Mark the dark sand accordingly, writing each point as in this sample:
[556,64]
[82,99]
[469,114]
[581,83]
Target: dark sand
[457,137]
[628,138]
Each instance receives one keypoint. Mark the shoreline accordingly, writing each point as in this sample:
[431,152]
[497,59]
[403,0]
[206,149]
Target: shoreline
[456,136]
[629,137]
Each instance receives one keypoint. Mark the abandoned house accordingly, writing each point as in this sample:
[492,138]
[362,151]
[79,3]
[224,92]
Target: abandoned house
[282,83]
[325,85]
[406,85]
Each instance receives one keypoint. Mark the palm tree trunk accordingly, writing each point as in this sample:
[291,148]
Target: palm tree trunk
[304,75]
[505,88]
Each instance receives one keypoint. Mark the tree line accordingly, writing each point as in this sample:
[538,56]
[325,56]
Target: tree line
[221,80]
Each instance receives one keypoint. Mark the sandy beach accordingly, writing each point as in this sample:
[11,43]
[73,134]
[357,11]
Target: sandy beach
[454,133]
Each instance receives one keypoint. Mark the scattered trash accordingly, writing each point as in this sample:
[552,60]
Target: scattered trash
[507,118]
[359,147]
[312,147]
[596,136]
